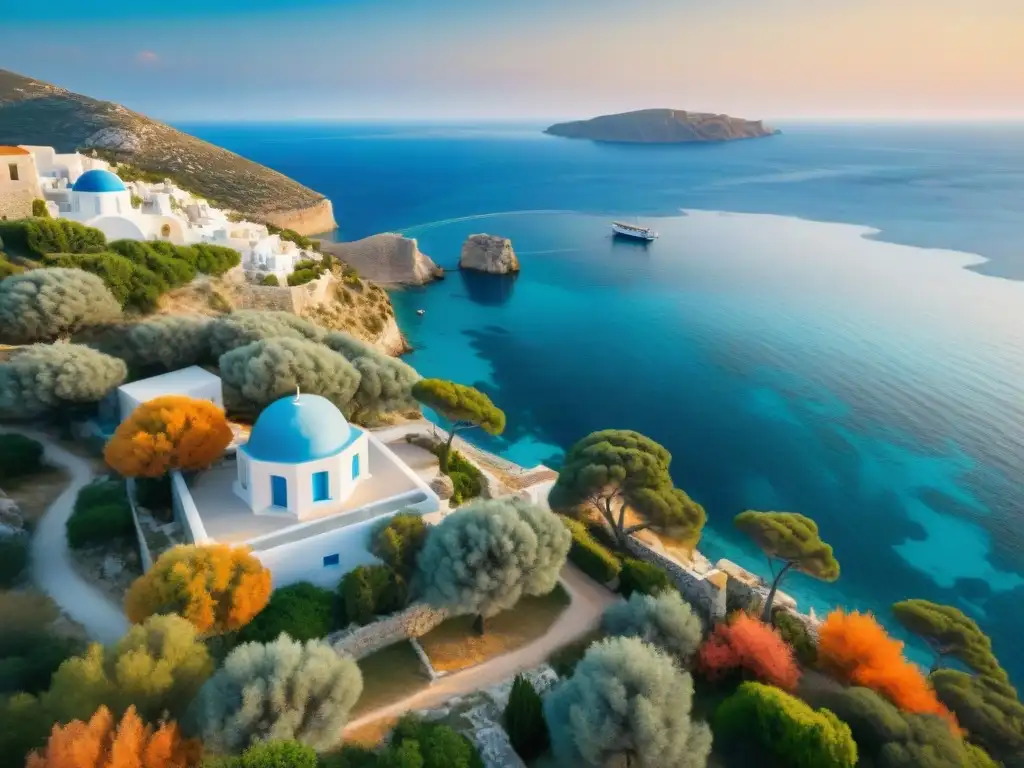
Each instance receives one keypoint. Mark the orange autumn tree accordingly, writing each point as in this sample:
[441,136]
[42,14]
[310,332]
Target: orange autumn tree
[104,743]
[219,588]
[855,649]
[171,432]
[749,646]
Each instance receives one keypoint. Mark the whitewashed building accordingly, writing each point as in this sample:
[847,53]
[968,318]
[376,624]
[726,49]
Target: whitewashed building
[195,382]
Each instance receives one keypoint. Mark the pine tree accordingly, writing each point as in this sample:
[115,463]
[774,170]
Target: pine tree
[524,720]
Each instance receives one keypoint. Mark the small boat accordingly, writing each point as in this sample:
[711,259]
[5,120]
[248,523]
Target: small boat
[421,312]
[634,231]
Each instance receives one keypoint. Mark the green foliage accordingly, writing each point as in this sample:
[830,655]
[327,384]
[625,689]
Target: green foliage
[439,745]
[136,201]
[591,557]
[889,738]
[36,238]
[246,326]
[369,591]
[524,720]
[56,377]
[988,709]
[399,541]
[154,493]
[13,560]
[133,285]
[483,557]
[24,725]
[172,270]
[626,700]
[169,342]
[795,633]
[271,280]
[215,259]
[265,371]
[463,406]
[39,209]
[782,724]
[644,577]
[280,690]
[101,513]
[6,268]
[617,468]
[30,647]
[665,620]
[46,304]
[948,632]
[385,383]
[158,667]
[269,754]
[19,456]
[302,611]
[292,236]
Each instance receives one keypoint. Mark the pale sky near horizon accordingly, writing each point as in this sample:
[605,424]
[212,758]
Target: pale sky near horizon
[529,59]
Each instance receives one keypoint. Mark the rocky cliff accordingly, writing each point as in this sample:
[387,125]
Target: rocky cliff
[388,259]
[488,253]
[662,126]
[34,112]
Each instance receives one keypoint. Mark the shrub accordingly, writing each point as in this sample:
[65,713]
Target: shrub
[301,611]
[665,621]
[592,558]
[748,646]
[154,493]
[269,754]
[56,378]
[30,648]
[640,576]
[989,710]
[856,650]
[39,209]
[35,238]
[246,326]
[439,745]
[788,728]
[399,541]
[129,742]
[524,720]
[101,513]
[215,259]
[45,304]
[168,433]
[280,690]
[19,456]
[271,280]
[172,270]
[369,591]
[795,632]
[219,588]
[13,559]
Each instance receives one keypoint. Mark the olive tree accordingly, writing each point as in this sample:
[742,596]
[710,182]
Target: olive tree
[169,341]
[244,326]
[484,557]
[794,542]
[665,620]
[385,383]
[50,377]
[265,371]
[46,304]
[464,407]
[615,470]
[278,691]
[626,703]
[950,633]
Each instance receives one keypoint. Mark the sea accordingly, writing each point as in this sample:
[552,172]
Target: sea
[831,323]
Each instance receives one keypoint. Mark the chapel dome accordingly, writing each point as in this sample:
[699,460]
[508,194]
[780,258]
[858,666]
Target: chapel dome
[298,428]
[98,181]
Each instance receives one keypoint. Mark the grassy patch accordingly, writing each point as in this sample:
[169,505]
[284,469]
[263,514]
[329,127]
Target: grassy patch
[565,659]
[35,493]
[455,645]
[389,675]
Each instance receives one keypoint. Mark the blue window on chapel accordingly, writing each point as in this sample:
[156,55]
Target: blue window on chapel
[321,486]
[278,491]
[330,560]
[355,467]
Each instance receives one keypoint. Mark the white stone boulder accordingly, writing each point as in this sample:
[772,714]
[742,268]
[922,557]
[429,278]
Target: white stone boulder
[488,253]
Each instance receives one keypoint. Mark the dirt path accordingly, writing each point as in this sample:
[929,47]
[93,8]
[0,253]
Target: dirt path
[589,601]
[52,569]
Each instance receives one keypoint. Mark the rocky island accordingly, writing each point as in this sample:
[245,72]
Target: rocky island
[388,259]
[489,253]
[662,126]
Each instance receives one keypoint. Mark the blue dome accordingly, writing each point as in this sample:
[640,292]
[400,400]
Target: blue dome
[294,429]
[98,181]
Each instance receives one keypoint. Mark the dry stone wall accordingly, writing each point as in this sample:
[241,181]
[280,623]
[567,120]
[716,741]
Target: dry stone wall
[414,621]
[697,589]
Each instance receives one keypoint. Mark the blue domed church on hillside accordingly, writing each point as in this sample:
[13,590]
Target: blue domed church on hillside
[302,454]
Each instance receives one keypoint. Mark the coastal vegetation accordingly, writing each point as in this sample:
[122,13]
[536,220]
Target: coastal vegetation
[464,407]
[56,380]
[48,304]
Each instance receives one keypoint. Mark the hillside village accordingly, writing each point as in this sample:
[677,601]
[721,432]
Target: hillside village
[232,533]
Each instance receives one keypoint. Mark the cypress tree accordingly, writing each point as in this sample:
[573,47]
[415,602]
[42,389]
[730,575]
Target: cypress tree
[524,720]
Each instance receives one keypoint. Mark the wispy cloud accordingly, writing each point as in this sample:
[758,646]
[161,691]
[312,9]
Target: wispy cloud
[147,58]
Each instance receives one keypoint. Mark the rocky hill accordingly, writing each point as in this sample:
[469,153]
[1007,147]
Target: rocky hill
[34,112]
[387,258]
[662,126]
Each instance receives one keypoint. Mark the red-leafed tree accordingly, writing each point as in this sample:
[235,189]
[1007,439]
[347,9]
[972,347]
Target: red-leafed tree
[750,648]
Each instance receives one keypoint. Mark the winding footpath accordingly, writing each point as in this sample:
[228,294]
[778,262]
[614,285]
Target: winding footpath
[589,601]
[52,569]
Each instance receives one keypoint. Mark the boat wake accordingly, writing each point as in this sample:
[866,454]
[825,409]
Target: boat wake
[459,219]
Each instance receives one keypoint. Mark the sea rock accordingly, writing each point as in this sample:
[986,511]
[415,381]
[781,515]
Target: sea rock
[387,258]
[488,253]
[662,126]
[443,486]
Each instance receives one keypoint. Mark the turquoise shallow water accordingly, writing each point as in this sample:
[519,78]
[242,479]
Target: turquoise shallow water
[786,363]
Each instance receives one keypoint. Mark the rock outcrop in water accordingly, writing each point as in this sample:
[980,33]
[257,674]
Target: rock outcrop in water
[662,126]
[489,253]
[388,259]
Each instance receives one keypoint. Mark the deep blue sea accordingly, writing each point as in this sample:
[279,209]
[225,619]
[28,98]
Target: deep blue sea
[830,323]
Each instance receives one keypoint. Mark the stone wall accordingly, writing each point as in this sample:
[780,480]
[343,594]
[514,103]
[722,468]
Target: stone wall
[414,621]
[295,298]
[145,556]
[700,590]
[16,196]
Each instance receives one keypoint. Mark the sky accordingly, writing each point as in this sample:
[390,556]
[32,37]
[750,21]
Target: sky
[188,60]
